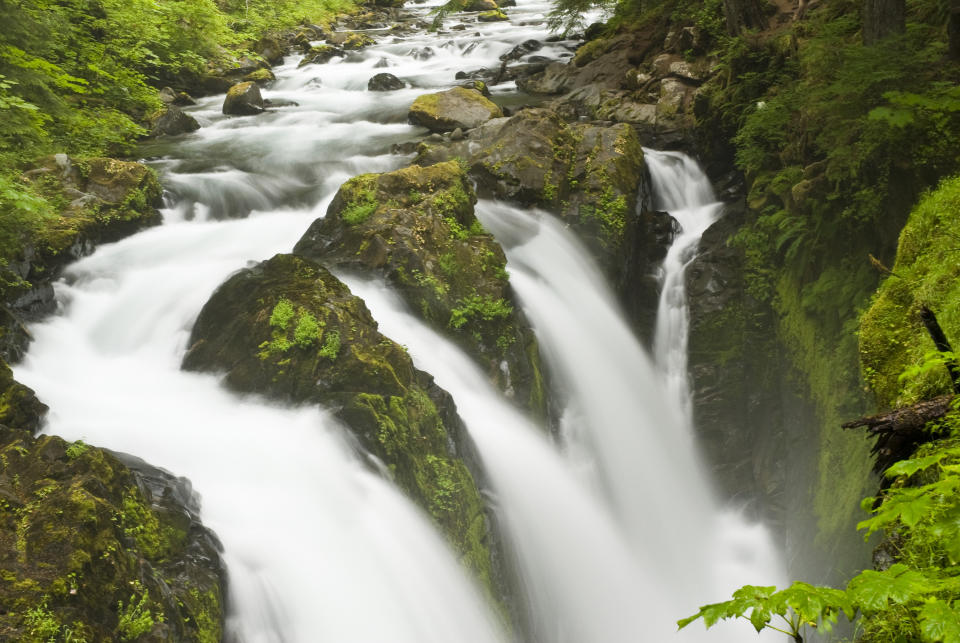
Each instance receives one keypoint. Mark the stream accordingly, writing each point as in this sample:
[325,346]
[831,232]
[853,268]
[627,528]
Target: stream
[613,529]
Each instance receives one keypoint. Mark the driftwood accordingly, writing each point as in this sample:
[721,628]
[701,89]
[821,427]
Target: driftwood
[901,431]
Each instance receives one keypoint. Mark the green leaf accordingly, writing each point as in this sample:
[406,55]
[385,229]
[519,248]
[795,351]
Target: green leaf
[872,591]
[939,622]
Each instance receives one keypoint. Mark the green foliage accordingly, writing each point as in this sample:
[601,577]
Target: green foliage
[77,449]
[282,313]
[895,351]
[331,346]
[136,618]
[914,599]
[307,330]
[42,624]
[479,307]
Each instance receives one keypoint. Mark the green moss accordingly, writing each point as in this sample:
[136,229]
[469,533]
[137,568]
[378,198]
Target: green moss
[926,273]
[360,199]
[479,307]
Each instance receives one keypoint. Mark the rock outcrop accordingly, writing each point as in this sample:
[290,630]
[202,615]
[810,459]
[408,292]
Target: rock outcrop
[288,329]
[416,228]
[94,549]
[172,121]
[384,82]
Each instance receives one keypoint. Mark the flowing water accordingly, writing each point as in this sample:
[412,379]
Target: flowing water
[613,536]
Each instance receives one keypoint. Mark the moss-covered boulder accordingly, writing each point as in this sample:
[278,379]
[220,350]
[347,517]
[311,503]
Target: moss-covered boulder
[262,77]
[288,329]
[243,99]
[587,173]
[451,109]
[481,5]
[416,228]
[91,550]
[19,406]
[171,121]
[97,200]
[357,40]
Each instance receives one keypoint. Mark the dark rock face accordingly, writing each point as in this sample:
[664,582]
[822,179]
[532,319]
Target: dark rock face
[385,82]
[648,237]
[289,329]
[521,50]
[416,228]
[90,542]
[172,121]
[735,370]
[243,99]
[447,110]
[270,49]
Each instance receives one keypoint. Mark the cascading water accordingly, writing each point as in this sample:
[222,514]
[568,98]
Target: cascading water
[683,190]
[317,547]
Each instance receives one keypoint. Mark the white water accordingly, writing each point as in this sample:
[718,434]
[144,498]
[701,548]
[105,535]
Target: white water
[681,188]
[614,539]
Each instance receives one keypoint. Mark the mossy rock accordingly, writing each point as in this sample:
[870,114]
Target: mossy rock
[587,173]
[492,16]
[243,99]
[261,77]
[481,5]
[98,200]
[357,40]
[416,228]
[288,329]
[19,406]
[320,54]
[93,550]
[454,108]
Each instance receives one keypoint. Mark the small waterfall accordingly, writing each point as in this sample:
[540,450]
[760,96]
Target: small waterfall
[682,189]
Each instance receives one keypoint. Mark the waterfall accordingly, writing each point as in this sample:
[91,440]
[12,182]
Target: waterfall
[614,534]
[683,190]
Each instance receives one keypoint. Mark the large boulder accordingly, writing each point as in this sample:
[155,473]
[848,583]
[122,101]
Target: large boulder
[384,82]
[243,99]
[481,5]
[587,173]
[288,329]
[447,110]
[94,549]
[416,228]
[19,406]
[172,121]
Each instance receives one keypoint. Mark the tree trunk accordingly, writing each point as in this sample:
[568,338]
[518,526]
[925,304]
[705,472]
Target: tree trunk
[744,14]
[953,30]
[882,18]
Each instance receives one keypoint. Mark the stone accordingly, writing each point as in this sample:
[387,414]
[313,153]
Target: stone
[458,107]
[481,5]
[521,50]
[321,54]
[417,229]
[243,99]
[270,49]
[172,121]
[357,40]
[477,85]
[554,79]
[384,82]
[261,77]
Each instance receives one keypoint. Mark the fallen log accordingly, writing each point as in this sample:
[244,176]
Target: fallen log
[899,432]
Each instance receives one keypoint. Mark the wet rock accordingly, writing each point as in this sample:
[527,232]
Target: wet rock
[280,102]
[587,173]
[521,50]
[554,79]
[481,5]
[270,49]
[384,82]
[83,533]
[422,53]
[172,121]
[416,228]
[243,99]
[19,406]
[321,54]
[477,85]
[356,40]
[261,77]
[383,63]
[507,3]
[458,107]
[649,236]
[288,329]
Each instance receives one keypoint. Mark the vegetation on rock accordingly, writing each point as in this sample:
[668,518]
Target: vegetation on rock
[416,228]
[289,329]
